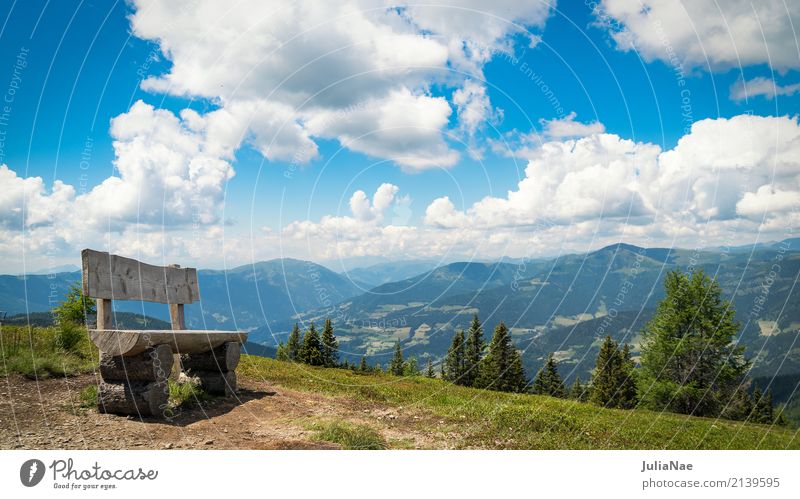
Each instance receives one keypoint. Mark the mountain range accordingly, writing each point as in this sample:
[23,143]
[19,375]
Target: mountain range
[565,304]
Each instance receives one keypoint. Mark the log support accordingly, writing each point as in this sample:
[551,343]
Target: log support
[215,368]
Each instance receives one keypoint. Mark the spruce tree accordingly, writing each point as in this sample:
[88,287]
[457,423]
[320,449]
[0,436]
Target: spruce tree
[579,391]
[311,350]
[690,361]
[281,354]
[293,343]
[454,361]
[330,347]
[363,366]
[763,411]
[397,364]
[628,395]
[548,381]
[740,407]
[473,353]
[501,368]
[606,376]
[429,369]
[410,367]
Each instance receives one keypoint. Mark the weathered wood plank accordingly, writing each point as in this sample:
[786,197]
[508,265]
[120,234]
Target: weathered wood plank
[134,398]
[154,364]
[223,358]
[129,342]
[178,321]
[119,278]
[105,314]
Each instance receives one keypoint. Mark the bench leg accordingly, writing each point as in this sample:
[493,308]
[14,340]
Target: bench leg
[215,368]
[135,385]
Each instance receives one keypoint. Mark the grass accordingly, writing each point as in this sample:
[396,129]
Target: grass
[470,418]
[88,397]
[186,395]
[44,352]
[350,436]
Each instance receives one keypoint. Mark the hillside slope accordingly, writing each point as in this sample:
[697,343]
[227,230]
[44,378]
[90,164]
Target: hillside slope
[285,406]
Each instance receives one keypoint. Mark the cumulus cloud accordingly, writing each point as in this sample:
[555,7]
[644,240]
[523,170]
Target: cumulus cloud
[760,86]
[25,202]
[567,127]
[722,170]
[281,71]
[719,34]
[169,172]
[404,127]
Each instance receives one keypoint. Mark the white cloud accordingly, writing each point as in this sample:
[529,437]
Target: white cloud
[760,86]
[567,127]
[25,202]
[722,170]
[403,127]
[382,199]
[283,70]
[720,34]
[767,201]
[169,172]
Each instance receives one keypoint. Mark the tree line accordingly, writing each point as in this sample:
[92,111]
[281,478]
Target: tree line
[690,361]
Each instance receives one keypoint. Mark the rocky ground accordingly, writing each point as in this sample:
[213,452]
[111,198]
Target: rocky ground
[47,414]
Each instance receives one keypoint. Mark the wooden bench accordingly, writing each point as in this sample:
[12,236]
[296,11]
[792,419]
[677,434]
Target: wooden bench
[135,365]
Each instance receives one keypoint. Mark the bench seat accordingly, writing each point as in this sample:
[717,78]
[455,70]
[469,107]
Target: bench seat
[128,342]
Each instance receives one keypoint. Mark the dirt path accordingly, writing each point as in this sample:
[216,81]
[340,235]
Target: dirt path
[47,415]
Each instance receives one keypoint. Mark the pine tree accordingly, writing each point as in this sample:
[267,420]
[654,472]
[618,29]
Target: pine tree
[293,343]
[579,391]
[397,364]
[614,382]
[429,373]
[628,395]
[690,361]
[740,407]
[763,411]
[606,376]
[330,347]
[473,353]
[410,367]
[281,354]
[548,381]
[501,368]
[363,366]
[311,350]
[454,361]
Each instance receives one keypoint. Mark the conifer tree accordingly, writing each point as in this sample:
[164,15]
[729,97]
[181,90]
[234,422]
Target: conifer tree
[363,366]
[473,352]
[330,347]
[311,350]
[501,368]
[740,407]
[293,343]
[691,363]
[628,396]
[606,376]
[579,391]
[763,411]
[548,381]
[411,367]
[454,361]
[429,369]
[397,364]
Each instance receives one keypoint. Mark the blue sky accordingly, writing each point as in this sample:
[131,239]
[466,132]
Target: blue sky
[86,61]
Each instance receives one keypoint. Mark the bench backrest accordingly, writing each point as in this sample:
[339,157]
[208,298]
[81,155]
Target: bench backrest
[112,277]
[115,277]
